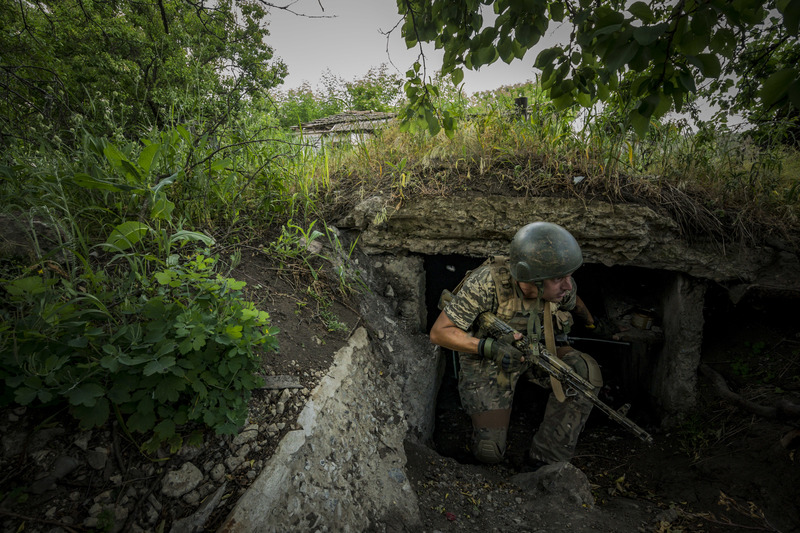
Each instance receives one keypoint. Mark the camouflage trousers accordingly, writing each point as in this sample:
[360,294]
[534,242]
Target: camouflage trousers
[487,395]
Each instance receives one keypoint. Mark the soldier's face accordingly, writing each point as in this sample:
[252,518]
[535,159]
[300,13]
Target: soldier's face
[554,289]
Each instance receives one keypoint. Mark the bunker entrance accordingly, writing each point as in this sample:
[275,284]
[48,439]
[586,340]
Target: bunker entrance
[633,299]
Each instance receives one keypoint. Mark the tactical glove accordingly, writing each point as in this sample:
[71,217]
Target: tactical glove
[602,328]
[508,358]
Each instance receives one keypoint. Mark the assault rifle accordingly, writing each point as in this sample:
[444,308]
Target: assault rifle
[569,339]
[561,371]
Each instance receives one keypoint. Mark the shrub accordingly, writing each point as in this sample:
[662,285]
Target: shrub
[176,351]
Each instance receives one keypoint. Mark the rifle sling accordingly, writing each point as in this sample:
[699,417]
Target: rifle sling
[550,344]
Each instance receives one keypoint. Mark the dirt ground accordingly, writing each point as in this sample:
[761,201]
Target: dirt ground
[723,469]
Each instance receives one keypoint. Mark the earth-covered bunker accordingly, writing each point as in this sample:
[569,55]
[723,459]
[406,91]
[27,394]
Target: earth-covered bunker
[640,271]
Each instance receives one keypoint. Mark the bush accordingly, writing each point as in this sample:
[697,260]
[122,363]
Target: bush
[176,351]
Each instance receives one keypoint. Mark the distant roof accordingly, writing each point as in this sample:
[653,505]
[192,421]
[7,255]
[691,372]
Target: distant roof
[347,121]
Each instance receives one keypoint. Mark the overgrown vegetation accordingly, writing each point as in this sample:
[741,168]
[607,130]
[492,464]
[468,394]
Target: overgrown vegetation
[136,198]
[721,183]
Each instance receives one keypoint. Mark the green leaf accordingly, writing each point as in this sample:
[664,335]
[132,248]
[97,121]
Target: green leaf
[159,366]
[142,421]
[168,390]
[164,277]
[677,97]
[723,42]
[694,43]
[708,64]
[184,236]
[547,56]
[199,388]
[640,124]
[127,234]
[432,121]
[165,429]
[622,56]
[457,76]
[791,16]
[85,394]
[794,95]
[506,50]
[24,395]
[647,35]
[221,164]
[184,133]
[162,209]
[148,155]
[32,285]
[94,416]
[78,342]
[777,85]
[563,101]
[169,180]
[234,331]
[114,156]
[90,182]
[687,82]
[642,11]
[606,30]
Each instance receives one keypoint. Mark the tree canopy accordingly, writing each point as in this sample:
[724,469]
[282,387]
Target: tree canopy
[661,51]
[122,64]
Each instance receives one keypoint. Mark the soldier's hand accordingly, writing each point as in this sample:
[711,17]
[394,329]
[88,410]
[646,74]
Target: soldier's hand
[602,328]
[508,358]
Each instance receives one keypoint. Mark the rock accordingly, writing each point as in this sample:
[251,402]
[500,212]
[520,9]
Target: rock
[562,480]
[248,434]
[13,443]
[187,453]
[63,466]
[233,462]
[179,482]
[191,498]
[218,472]
[196,521]
[82,441]
[97,458]
[42,437]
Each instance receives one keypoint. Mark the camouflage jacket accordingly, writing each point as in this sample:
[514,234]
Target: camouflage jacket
[490,287]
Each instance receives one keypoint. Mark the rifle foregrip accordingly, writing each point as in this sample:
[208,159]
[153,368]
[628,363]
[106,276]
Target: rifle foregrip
[496,328]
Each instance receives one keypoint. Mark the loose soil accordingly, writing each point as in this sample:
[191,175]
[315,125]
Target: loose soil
[723,469]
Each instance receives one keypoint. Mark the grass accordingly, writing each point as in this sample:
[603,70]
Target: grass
[713,184]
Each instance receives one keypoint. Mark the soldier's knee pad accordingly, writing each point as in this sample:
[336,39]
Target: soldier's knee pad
[488,451]
[585,366]
[594,375]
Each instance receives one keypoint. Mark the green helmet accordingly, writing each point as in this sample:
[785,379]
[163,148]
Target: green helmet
[542,250]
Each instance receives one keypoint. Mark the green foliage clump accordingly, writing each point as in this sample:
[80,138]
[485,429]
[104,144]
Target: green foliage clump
[117,68]
[172,352]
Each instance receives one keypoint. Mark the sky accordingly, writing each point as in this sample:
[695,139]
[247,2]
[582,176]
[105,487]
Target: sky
[348,41]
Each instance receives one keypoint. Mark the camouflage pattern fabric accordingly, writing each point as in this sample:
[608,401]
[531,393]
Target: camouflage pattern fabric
[557,436]
[484,387]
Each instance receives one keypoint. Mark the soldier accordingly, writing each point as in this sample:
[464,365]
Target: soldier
[530,288]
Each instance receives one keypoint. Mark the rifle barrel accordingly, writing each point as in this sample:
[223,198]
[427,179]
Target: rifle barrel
[591,339]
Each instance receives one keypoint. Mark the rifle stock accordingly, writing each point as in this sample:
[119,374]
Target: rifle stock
[560,371]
